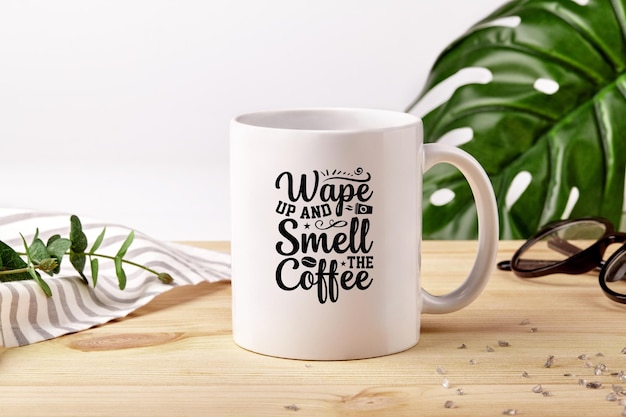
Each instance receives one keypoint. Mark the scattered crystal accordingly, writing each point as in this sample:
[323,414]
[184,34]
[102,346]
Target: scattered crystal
[537,389]
[546,394]
[599,369]
[472,362]
[622,402]
[549,362]
[527,321]
[441,370]
[582,381]
[599,355]
[611,396]
[623,413]
[593,385]
[525,374]
[292,407]
[463,346]
[583,357]
[446,383]
[510,412]
[503,343]
[588,364]
[534,330]
[618,389]
[489,349]
[624,351]
[450,404]
[459,391]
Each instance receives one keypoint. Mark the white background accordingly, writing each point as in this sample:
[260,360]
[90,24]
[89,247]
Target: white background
[119,110]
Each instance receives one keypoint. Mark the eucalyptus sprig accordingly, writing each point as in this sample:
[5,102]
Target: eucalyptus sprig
[47,257]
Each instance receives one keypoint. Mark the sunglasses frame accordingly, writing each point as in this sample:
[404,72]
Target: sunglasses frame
[577,262]
[602,278]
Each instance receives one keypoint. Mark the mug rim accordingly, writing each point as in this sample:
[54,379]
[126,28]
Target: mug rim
[346,119]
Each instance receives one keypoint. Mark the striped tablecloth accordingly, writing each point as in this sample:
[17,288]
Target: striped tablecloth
[27,315]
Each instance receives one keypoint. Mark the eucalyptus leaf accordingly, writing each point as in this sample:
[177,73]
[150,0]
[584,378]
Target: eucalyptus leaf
[37,251]
[10,259]
[78,261]
[93,262]
[98,241]
[57,249]
[44,286]
[543,94]
[119,271]
[127,242]
[52,238]
[78,244]
[31,270]
[77,236]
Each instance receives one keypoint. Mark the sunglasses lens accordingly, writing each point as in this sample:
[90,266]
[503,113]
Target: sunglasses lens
[559,243]
[614,275]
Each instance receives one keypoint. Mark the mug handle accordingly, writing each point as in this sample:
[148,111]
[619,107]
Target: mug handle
[488,230]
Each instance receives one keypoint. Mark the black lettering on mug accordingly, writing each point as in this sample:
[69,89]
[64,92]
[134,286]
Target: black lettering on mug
[324,232]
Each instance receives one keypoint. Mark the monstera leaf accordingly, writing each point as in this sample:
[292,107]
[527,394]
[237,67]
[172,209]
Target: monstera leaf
[536,93]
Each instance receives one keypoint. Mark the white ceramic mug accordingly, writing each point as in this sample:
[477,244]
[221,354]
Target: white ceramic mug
[326,209]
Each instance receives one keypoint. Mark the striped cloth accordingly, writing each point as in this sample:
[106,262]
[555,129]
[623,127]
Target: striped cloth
[28,316]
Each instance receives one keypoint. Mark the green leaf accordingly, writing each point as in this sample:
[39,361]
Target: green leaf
[31,270]
[78,238]
[129,240]
[11,260]
[38,251]
[57,248]
[44,286]
[119,271]
[569,143]
[94,270]
[78,246]
[78,261]
[52,238]
[98,242]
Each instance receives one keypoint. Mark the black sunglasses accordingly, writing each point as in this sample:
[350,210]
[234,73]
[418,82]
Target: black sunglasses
[574,247]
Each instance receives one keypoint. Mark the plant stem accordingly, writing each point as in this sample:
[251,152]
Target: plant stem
[14,271]
[145,268]
[97,255]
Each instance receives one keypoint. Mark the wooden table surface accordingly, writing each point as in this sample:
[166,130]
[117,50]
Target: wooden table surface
[176,357]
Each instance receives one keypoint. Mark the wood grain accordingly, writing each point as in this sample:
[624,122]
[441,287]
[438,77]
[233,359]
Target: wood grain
[175,357]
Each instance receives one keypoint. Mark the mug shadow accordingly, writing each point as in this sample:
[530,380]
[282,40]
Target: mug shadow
[445,325]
